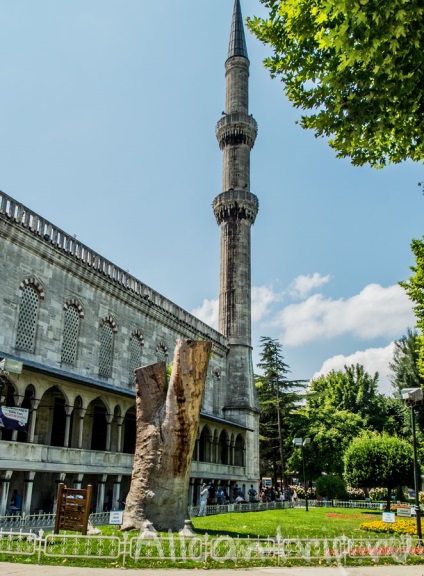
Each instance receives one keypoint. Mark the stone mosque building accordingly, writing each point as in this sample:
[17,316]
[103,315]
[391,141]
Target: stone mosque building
[74,326]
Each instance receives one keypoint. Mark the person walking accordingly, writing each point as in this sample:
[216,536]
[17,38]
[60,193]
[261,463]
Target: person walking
[204,495]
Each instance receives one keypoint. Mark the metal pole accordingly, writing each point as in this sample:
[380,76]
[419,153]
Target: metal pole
[417,504]
[304,479]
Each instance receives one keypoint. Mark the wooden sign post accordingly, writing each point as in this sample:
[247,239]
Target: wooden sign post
[73,509]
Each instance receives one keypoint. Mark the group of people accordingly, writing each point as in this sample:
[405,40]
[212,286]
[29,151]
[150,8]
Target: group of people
[209,494]
[270,494]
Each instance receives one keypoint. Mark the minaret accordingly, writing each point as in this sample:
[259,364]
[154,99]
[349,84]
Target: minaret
[235,210]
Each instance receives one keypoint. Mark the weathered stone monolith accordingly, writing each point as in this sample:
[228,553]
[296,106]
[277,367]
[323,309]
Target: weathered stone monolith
[166,429]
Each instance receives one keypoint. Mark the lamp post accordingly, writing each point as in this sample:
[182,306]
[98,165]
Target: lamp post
[301,443]
[412,397]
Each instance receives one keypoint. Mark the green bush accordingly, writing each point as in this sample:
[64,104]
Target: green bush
[331,486]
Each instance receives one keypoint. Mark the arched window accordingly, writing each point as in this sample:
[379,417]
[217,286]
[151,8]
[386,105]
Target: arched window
[162,353]
[107,330]
[73,314]
[136,349]
[28,312]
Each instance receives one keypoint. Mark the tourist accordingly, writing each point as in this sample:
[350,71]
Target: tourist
[15,503]
[252,494]
[204,495]
[220,496]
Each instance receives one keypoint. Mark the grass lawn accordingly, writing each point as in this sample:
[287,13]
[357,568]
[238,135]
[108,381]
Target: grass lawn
[292,522]
[326,523]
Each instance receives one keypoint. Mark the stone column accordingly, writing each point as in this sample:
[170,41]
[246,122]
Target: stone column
[197,449]
[29,484]
[232,453]
[109,419]
[68,411]
[4,493]
[32,420]
[81,414]
[191,492]
[211,448]
[78,481]
[119,422]
[101,493]
[116,491]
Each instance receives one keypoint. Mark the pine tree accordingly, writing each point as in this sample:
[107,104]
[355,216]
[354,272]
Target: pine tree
[278,397]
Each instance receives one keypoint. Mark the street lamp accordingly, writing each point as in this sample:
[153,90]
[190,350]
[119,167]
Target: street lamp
[301,443]
[412,397]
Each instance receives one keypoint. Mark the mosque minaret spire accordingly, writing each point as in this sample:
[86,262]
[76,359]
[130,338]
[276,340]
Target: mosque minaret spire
[235,210]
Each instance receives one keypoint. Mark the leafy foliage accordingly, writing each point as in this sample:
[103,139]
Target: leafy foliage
[339,406]
[278,397]
[331,486]
[405,362]
[379,460]
[355,67]
[331,432]
[415,290]
[352,390]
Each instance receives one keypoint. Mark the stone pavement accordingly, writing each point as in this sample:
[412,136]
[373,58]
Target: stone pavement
[9,569]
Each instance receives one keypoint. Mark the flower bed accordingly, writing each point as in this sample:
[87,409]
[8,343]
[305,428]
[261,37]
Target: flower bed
[398,527]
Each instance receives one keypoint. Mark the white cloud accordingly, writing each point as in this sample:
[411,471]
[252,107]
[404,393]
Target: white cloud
[303,285]
[374,312]
[262,298]
[208,312]
[373,360]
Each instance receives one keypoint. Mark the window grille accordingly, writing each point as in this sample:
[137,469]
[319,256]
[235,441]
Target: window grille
[106,350]
[27,321]
[135,357]
[70,335]
[162,353]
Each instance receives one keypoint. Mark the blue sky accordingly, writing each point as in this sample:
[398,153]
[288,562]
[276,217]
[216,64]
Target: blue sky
[107,128]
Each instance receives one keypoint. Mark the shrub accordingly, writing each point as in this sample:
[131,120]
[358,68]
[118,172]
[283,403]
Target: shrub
[331,486]
[377,494]
[355,493]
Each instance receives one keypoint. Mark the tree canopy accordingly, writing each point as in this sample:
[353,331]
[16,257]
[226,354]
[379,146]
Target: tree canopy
[355,67]
[379,460]
[277,398]
[415,290]
[352,390]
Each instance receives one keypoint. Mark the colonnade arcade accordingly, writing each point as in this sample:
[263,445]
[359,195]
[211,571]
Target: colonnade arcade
[64,417]
[219,446]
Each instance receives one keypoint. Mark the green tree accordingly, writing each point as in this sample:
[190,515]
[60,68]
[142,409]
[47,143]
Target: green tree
[355,68]
[404,365]
[277,398]
[331,431]
[415,289]
[331,486]
[352,390]
[376,460]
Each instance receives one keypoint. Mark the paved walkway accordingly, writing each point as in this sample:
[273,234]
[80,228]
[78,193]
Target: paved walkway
[9,569]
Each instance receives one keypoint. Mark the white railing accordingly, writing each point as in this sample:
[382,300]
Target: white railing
[204,550]
[47,520]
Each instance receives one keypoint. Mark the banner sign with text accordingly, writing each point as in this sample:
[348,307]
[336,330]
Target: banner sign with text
[13,418]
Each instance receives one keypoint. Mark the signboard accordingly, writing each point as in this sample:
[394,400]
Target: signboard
[73,509]
[389,517]
[115,517]
[9,365]
[404,512]
[13,418]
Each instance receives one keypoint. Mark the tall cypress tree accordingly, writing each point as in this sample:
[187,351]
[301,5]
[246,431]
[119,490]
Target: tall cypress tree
[278,397]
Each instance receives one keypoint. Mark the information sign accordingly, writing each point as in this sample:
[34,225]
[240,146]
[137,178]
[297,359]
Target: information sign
[115,517]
